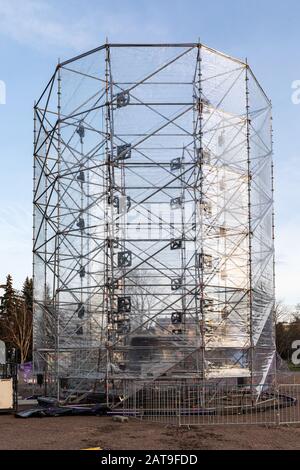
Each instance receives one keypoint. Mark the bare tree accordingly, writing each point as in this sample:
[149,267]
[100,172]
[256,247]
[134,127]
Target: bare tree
[287,323]
[17,328]
[280,313]
[296,313]
[142,298]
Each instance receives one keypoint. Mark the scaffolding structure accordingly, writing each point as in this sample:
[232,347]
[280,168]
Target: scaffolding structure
[153,222]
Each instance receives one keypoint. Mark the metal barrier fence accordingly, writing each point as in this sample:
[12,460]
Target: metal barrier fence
[8,370]
[289,394]
[195,404]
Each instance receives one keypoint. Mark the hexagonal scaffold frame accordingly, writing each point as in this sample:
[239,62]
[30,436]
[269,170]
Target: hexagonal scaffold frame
[153,222]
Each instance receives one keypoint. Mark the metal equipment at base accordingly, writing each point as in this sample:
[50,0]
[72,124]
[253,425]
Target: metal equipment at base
[8,382]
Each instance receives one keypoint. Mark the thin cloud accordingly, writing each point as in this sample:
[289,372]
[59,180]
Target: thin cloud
[34,22]
[38,24]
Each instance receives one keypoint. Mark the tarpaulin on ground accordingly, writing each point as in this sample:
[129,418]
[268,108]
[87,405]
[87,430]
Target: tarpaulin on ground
[55,411]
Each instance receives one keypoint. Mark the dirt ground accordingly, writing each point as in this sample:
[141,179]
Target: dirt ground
[66,433]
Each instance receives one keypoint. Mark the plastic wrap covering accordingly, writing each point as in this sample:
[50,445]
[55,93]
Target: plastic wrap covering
[153,220]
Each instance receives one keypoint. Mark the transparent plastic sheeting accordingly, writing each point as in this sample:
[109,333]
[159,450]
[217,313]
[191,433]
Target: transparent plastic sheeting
[153,249]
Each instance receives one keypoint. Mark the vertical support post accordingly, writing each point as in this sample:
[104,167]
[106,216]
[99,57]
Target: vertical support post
[33,228]
[195,217]
[199,200]
[273,228]
[250,290]
[57,238]
[106,302]
[110,228]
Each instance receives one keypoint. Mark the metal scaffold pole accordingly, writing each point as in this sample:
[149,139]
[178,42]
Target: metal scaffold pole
[56,287]
[248,123]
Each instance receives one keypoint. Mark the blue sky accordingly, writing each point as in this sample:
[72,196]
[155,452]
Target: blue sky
[35,33]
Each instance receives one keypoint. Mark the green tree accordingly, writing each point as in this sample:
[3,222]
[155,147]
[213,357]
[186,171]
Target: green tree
[8,303]
[27,292]
[8,300]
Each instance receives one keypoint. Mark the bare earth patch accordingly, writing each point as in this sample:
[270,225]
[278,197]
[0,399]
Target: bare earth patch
[82,432]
